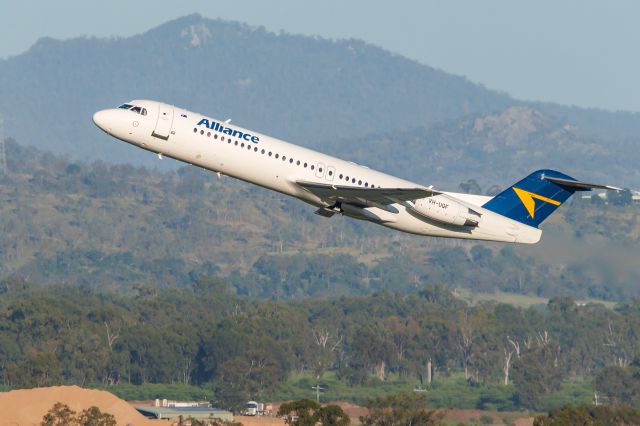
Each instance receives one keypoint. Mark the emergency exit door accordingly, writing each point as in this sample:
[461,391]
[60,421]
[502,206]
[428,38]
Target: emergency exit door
[165,122]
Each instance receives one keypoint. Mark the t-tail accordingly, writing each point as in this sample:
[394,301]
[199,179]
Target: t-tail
[535,197]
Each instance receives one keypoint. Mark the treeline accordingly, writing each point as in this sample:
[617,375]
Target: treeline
[203,334]
[118,227]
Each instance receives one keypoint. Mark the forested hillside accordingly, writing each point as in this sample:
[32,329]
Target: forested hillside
[118,228]
[235,349]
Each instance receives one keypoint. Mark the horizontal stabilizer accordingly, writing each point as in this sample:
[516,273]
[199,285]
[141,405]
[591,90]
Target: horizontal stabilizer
[576,185]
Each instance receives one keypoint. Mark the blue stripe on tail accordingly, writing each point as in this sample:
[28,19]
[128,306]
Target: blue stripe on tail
[533,199]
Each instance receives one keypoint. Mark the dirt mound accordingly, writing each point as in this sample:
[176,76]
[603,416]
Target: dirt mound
[26,407]
[514,418]
[354,411]
[259,421]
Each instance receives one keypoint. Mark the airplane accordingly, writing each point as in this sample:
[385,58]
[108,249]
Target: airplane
[336,186]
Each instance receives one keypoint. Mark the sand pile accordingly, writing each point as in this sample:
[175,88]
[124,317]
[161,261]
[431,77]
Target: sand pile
[352,410]
[26,407]
[259,421]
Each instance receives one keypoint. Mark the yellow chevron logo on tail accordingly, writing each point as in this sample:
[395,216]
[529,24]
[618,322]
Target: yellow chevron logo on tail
[528,201]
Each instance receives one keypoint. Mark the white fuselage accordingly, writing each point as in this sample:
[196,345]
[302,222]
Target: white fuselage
[278,165]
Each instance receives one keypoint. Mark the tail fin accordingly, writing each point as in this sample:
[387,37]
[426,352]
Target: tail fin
[535,197]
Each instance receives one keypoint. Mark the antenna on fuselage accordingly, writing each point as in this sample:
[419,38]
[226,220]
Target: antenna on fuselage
[3,152]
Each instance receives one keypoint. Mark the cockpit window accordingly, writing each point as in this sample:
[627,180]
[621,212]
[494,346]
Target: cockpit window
[136,109]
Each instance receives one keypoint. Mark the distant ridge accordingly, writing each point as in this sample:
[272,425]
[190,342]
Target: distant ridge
[308,90]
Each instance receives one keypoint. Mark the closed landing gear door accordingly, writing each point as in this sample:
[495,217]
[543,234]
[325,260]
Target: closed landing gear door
[165,122]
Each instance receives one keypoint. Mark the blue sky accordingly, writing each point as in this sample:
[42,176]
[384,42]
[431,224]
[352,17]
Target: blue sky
[573,52]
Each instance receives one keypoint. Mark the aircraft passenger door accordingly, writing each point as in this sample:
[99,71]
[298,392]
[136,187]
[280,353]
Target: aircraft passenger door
[320,169]
[165,121]
[330,172]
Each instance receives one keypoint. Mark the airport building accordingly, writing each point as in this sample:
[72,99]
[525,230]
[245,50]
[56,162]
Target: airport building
[175,410]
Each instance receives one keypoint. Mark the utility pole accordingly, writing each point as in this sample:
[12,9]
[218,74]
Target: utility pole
[3,152]
[318,388]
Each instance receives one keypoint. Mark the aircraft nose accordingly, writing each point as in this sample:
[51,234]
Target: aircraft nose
[101,119]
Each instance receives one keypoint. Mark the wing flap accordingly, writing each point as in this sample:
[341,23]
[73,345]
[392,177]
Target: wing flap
[365,196]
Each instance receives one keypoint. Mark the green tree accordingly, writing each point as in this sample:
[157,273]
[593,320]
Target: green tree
[229,397]
[589,415]
[306,412]
[332,415]
[40,369]
[621,385]
[400,410]
[535,374]
[92,416]
[300,413]
[59,415]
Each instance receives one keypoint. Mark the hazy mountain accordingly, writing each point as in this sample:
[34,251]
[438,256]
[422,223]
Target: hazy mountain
[495,148]
[306,89]
[301,88]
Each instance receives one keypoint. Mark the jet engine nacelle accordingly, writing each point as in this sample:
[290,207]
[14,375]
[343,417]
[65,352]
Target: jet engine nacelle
[445,210]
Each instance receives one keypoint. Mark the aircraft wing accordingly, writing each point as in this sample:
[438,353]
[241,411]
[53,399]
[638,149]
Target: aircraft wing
[375,197]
